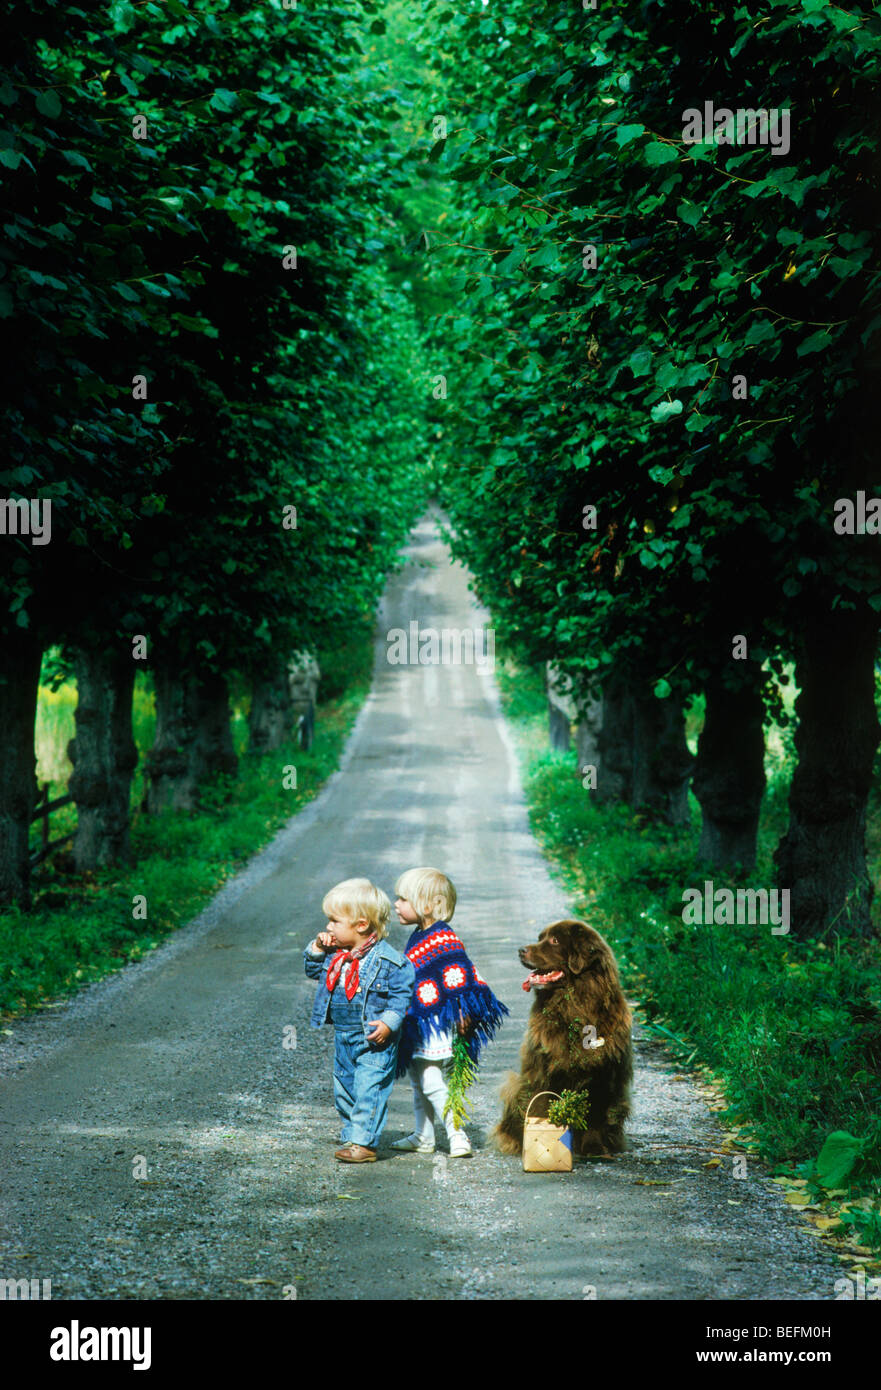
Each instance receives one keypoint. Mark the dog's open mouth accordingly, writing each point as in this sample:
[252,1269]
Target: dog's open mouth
[538,981]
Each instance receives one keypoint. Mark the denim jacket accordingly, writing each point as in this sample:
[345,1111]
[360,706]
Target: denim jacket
[386,980]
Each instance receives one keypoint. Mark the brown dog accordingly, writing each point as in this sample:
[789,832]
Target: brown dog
[578,1000]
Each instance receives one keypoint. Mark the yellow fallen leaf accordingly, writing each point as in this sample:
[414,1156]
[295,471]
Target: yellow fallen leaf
[732,1203]
[797,1199]
[347,1197]
[825,1223]
[713,1163]
[258,1280]
[649,1182]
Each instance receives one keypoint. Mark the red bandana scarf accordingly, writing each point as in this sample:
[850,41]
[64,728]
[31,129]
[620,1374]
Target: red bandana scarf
[338,961]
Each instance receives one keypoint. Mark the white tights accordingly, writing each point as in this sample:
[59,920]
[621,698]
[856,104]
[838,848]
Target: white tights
[429,1081]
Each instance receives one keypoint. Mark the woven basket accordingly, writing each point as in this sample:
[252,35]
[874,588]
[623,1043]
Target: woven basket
[547,1148]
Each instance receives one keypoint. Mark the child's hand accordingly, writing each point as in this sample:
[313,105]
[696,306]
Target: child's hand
[325,940]
[381,1031]
[463,1027]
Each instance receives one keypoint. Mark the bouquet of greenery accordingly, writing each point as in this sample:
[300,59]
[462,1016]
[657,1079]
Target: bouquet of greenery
[461,1078]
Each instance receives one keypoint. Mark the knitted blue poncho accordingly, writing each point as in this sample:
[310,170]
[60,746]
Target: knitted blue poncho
[448,987]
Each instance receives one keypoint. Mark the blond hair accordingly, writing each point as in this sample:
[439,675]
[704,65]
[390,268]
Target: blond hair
[429,892]
[355,898]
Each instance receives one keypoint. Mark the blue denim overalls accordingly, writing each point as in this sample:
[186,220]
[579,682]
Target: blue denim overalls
[363,1073]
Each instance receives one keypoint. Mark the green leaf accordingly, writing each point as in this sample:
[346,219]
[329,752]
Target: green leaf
[837,1157]
[663,689]
[760,331]
[223,100]
[843,267]
[512,260]
[548,255]
[689,213]
[665,410]
[78,160]
[640,361]
[625,133]
[815,343]
[659,153]
[48,104]
[659,474]
[10,158]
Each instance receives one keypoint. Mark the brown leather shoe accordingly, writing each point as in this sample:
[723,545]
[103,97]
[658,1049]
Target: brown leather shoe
[355,1153]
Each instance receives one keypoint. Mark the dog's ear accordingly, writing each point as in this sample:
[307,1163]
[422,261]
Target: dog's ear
[582,951]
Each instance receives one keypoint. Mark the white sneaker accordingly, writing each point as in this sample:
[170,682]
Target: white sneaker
[460,1146]
[413,1144]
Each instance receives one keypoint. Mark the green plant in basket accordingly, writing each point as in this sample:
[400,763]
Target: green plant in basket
[572,1109]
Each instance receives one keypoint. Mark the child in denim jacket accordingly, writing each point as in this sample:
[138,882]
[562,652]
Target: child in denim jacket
[365,988]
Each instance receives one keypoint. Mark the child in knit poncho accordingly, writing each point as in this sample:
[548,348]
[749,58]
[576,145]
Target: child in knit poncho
[450,995]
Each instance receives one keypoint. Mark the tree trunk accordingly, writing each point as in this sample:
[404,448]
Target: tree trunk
[729,777]
[20,676]
[604,738]
[662,762]
[304,674]
[561,709]
[822,857]
[271,722]
[193,739]
[104,756]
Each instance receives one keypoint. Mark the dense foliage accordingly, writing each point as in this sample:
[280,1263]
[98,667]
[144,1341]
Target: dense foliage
[611,386]
[163,173]
[679,341]
[215,382]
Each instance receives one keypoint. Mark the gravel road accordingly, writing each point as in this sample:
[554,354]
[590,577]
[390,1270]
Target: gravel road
[180,1061]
